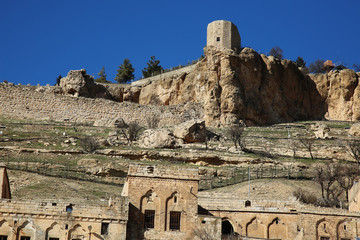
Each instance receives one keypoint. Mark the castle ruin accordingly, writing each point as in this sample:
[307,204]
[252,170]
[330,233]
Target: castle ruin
[223,34]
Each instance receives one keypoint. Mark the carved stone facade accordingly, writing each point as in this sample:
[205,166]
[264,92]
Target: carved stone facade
[163,202]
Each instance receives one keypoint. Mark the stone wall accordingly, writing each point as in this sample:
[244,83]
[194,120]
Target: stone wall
[62,220]
[172,74]
[280,219]
[25,102]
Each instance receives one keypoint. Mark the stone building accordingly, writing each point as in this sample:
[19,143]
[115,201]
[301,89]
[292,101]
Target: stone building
[59,220]
[163,202]
[223,34]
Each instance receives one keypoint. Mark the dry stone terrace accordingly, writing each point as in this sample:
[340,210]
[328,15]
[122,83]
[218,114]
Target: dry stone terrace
[24,102]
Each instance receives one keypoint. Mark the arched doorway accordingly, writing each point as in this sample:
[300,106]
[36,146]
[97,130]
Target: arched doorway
[226,228]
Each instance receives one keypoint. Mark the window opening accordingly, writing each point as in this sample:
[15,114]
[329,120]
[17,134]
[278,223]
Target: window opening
[54,204]
[69,208]
[66,226]
[54,238]
[247,203]
[218,39]
[25,238]
[3,237]
[149,219]
[175,220]
[175,199]
[344,227]
[324,238]
[104,228]
[324,227]
[150,169]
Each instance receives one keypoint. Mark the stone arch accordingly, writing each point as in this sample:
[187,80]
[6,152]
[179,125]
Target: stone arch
[174,203]
[277,229]
[345,230]
[150,201]
[5,229]
[25,229]
[255,228]
[55,230]
[227,228]
[77,232]
[324,229]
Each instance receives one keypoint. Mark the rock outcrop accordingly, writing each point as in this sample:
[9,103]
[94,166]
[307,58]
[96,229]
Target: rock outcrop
[340,91]
[79,84]
[245,87]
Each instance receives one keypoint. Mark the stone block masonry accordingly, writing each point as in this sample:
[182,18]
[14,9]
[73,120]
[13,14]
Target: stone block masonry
[25,102]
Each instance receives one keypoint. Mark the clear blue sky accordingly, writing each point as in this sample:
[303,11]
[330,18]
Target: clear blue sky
[42,39]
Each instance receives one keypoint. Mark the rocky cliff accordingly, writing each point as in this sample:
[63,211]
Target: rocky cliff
[241,86]
[340,91]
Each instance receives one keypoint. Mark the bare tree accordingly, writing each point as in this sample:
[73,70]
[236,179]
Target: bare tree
[308,144]
[235,133]
[276,52]
[129,131]
[293,145]
[348,174]
[327,176]
[356,67]
[352,146]
[203,234]
[317,66]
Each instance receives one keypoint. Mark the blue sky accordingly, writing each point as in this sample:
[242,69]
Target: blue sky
[42,39]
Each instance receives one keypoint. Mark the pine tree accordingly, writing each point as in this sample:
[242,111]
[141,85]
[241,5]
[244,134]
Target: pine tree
[153,68]
[102,76]
[125,72]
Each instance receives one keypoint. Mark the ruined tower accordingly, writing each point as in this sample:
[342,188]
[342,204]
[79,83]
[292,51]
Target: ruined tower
[223,34]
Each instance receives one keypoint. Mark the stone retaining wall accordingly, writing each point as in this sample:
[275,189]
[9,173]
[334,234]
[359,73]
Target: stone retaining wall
[25,102]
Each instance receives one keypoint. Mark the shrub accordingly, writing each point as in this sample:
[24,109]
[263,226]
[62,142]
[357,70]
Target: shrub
[89,144]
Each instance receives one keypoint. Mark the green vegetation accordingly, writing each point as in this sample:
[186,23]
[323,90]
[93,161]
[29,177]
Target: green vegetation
[125,72]
[153,68]
[102,76]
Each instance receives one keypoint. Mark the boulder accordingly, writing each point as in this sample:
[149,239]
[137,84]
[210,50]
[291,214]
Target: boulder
[355,129]
[191,131]
[77,83]
[321,131]
[158,138]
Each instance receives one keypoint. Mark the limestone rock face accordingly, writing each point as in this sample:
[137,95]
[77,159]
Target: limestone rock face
[158,138]
[247,87]
[341,92]
[191,131]
[77,83]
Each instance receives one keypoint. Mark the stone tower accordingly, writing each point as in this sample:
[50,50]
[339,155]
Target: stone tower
[223,34]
